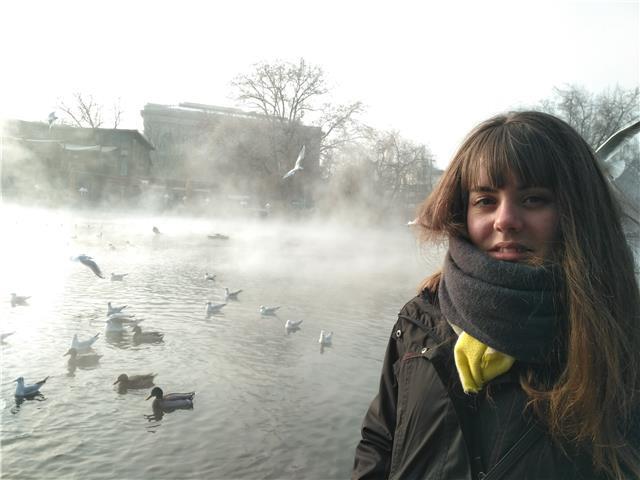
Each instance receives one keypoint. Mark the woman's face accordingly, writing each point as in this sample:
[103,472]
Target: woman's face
[514,223]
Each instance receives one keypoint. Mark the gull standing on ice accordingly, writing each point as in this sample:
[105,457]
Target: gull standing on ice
[298,165]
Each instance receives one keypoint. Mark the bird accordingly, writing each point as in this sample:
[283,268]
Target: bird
[23,390]
[171,401]
[89,262]
[83,345]
[292,325]
[118,277]
[111,309]
[610,147]
[209,276]
[218,236]
[115,323]
[125,381]
[213,308]
[325,338]
[156,231]
[298,165]
[78,359]
[18,300]
[412,222]
[228,295]
[146,337]
[268,310]
[5,335]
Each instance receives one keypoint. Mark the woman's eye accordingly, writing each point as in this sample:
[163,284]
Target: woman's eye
[535,200]
[483,201]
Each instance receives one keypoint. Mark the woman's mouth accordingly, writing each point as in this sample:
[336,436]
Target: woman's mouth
[510,252]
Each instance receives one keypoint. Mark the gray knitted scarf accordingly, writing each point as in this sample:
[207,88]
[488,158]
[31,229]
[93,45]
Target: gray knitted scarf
[507,306]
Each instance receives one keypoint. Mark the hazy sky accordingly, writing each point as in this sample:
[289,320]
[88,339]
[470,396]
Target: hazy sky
[428,69]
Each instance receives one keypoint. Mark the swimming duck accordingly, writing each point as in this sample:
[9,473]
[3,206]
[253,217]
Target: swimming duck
[82,359]
[112,310]
[23,390]
[268,310]
[228,295]
[325,338]
[171,400]
[146,337]
[125,381]
[213,308]
[83,345]
[19,300]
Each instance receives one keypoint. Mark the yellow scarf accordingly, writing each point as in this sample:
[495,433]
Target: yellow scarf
[478,363]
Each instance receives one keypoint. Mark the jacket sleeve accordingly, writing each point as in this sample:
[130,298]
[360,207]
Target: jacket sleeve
[373,453]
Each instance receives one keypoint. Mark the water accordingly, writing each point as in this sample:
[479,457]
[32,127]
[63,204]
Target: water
[267,405]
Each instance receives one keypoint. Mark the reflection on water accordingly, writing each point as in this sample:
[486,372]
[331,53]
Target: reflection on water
[270,403]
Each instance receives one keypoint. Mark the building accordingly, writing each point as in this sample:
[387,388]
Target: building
[63,162]
[206,149]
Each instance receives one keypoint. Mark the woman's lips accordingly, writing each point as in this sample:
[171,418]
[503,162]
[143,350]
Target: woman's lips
[510,252]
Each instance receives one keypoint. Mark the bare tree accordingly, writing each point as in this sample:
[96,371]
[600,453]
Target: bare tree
[82,110]
[595,116]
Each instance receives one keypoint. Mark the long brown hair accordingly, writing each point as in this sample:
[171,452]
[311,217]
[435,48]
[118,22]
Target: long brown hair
[595,398]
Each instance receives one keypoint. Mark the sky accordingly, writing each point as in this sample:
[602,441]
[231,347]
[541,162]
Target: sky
[430,70]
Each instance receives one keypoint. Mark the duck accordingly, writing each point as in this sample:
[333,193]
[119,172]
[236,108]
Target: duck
[112,310]
[229,295]
[146,337]
[268,310]
[213,308]
[83,345]
[23,390]
[118,277]
[171,400]
[19,300]
[125,381]
[78,359]
[292,325]
[325,338]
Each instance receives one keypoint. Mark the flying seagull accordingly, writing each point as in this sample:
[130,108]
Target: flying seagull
[52,118]
[156,231]
[18,300]
[89,262]
[298,165]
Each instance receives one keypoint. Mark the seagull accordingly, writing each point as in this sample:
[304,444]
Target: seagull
[118,277]
[213,308]
[146,337]
[156,231]
[5,335]
[606,151]
[89,262]
[78,359]
[52,118]
[208,276]
[268,310]
[18,300]
[125,381]
[292,325]
[111,309]
[325,338]
[23,390]
[171,400]
[412,222]
[298,165]
[83,345]
[228,295]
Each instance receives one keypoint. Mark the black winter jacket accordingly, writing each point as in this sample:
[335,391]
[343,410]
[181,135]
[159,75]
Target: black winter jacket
[422,426]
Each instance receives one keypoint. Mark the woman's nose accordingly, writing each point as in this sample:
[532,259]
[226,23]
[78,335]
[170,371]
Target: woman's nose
[508,217]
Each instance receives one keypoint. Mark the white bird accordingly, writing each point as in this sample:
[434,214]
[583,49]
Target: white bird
[89,262]
[18,300]
[118,277]
[268,310]
[412,222]
[325,338]
[298,165]
[83,345]
[115,323]
[213,308]
[208,276]
[5,335]
[228,295]
[23,390]
[292,325]
[111,309]
[52,118]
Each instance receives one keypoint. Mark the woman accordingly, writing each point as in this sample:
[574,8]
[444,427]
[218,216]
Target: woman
[521,357]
